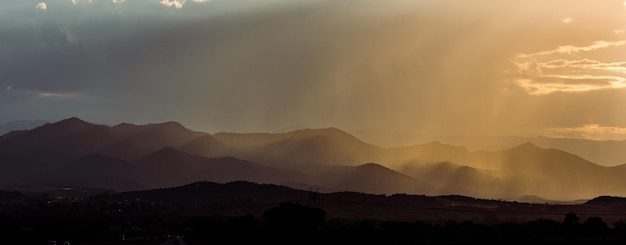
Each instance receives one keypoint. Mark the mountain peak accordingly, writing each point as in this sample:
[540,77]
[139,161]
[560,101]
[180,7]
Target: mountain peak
[319,130]
[167,151]
[527,146]
[172,124]
[65,125]
[436,144]
[607,200]
[372,165]
[124,124]
[168,124]
[171,128]
[335,133]
[72,121]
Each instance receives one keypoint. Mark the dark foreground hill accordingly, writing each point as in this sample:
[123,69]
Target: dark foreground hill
[247,197]
[245,212]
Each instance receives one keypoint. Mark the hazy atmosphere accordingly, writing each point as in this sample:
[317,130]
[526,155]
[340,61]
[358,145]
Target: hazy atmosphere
[157,122]
[527,68]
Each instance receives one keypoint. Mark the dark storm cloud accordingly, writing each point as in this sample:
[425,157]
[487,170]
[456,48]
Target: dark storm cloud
[143,52]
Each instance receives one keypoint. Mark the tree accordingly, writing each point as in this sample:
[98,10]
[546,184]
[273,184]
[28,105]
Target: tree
[293,217]
[571,219]
[595,226]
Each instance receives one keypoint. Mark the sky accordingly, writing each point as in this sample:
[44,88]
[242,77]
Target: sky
[436,67]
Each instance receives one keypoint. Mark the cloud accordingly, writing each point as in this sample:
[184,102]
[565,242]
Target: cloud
[569,49]
[551,71]
[552,84]
[43,6]
[46,94]
[591,131]
[200,1]
[531,69]
[118,1]
[60,95]
[173,3]
[587,65]
[89,1]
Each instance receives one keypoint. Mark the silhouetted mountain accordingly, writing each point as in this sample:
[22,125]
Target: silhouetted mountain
[300,149]
[135,141]
[205,191]
[450,178]
[72,137]
[605,153]
[94,171]
[519,171]
[96,163]
[425,154]
[161,134]
[20,125]
[76,138]
[16,169]
[371,178]
[206,145]
[602,152]
[171,167]
[608,201]
[555,174]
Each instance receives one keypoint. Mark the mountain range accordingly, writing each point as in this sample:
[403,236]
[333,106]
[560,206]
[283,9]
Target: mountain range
[602,152]
[127,157]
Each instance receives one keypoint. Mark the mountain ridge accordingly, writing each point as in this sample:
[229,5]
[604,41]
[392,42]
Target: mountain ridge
[328,158]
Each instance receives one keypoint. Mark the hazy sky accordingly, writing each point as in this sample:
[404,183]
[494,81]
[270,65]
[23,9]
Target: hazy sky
[439,67]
